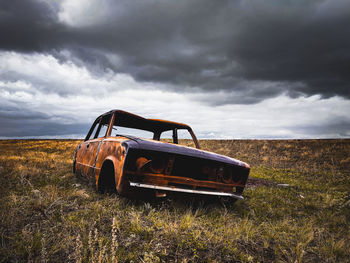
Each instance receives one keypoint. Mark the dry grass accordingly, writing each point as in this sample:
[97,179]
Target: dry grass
[47,215]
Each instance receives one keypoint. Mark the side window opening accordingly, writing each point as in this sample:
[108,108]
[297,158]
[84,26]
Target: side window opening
[167,136]
[184,138]
[178,136]
[102,127]
[93,130]
[103,130]
[183,134]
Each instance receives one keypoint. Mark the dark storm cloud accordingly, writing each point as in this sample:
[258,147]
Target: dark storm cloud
[17,122]
[28,26]
[256,49]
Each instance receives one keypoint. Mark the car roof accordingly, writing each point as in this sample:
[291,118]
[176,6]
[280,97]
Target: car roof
[130,120]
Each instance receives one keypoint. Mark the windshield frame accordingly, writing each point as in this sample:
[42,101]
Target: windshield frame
[127,120]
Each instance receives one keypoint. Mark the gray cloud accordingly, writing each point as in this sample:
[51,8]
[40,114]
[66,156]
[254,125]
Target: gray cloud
[64,62]
[254,49]
[28,26]
[338,127]
[18,122]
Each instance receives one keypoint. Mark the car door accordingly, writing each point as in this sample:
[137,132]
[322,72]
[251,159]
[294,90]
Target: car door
[91,147]
[88,151]
[84,152]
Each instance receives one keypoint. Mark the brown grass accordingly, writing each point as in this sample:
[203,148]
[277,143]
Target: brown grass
[48,215]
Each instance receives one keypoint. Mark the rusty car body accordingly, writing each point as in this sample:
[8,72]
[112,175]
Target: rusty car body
[125,163]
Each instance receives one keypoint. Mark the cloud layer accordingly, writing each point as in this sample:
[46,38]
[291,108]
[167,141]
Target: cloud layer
[257,49]
[32,107]
[214,55]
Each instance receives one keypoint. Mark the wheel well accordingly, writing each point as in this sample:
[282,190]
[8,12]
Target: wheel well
[106,180]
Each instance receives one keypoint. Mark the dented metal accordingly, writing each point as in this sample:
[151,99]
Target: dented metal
[124,163]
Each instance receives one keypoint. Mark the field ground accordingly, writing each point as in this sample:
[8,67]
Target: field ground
[47,215]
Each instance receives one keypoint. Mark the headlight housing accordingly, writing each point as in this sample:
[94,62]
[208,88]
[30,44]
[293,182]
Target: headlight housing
[156,165]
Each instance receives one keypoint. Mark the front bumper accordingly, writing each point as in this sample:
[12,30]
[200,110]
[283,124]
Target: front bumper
[192,191]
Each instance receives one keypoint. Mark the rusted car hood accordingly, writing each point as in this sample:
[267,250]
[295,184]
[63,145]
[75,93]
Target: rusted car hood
[152,145]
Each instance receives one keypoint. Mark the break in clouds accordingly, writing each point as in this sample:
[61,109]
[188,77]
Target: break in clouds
[246,69]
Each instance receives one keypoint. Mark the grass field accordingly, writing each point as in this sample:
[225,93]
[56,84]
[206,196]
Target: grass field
[47,215]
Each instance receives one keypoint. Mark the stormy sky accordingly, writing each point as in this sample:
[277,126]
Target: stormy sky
[230,69]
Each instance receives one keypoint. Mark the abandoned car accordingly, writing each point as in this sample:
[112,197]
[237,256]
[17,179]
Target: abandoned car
[126,163]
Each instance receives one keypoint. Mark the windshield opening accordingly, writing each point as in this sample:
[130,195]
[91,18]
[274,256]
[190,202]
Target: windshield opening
[120,131]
